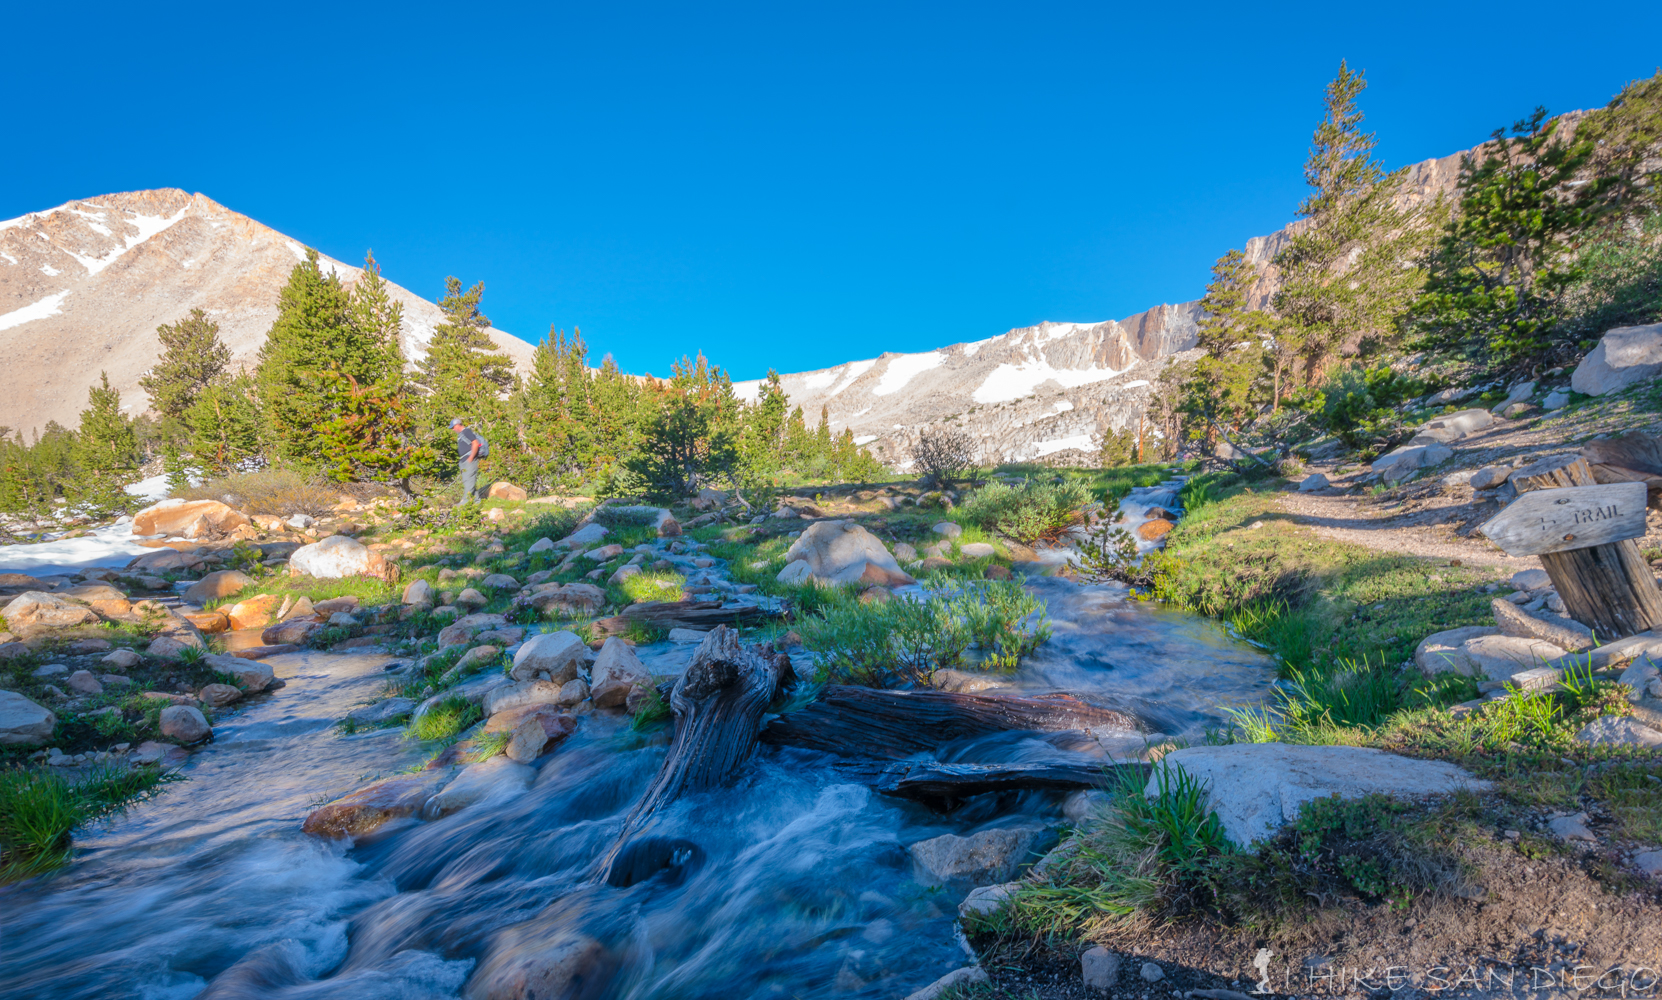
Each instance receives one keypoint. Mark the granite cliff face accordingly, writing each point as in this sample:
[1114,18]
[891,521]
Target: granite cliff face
[83,287]
[1042,393]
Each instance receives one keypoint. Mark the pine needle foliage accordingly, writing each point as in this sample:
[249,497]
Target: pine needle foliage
[192,358]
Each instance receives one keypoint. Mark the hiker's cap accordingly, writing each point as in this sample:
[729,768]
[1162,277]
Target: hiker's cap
[458,422]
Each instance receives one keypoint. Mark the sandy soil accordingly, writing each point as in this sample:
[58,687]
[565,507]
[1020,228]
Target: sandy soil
[1437,520]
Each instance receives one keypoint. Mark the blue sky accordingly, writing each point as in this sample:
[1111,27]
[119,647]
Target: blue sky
[778,185]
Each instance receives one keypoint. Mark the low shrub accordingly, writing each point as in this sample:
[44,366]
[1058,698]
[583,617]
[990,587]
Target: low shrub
[1029,511]
[903,641]
[284,492]
[1360,406]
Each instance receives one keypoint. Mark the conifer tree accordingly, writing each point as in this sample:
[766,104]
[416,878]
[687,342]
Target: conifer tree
[373,434]
[616,406]
[463,373]
[192,356]
[558,424]
[762,440]
[105,452]
[1228,382]
[799,441]
[1348,271]
[227,424]
[312,335]
[378,319]
[1497,278]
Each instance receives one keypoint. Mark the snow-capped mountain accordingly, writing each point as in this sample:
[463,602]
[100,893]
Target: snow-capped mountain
[83,287]
[1041,393]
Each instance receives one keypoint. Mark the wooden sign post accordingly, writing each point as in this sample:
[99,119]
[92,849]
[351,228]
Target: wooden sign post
[1584,534]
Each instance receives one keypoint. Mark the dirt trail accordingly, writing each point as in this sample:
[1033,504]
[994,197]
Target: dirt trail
[1435,519]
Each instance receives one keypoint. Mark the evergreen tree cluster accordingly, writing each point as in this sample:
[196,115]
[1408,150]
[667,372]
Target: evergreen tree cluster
[1553,236]
[331,392]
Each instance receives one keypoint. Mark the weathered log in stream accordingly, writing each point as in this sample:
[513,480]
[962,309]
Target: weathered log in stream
[718,704]
[865,722]
[699,615]
[941,786]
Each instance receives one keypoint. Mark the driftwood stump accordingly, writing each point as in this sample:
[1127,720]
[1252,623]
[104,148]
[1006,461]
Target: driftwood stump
[700,615]
[1608,588]
[718,704]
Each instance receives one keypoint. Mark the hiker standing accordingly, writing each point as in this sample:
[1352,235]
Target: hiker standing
[470,448]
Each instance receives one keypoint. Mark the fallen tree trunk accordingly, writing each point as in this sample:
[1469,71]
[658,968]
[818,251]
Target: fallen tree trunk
[701,615]
[942,785]
[718,704]
[865,722]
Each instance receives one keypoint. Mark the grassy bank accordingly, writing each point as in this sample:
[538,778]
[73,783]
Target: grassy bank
[1342,622]
[39,811]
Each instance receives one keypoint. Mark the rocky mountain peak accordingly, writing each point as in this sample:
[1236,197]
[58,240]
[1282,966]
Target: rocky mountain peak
[83,287]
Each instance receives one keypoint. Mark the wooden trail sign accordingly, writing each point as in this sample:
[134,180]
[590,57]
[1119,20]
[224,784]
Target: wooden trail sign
[1575,517]
[1606,585]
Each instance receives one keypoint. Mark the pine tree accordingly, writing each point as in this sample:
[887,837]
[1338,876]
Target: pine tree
[192,356]
[105,452]
[313,334]
[1347,272]
[227,424]
[380,321]
[1496,280]
[374,434]
[799,442]
[762,440]
[464,374]
[558,422]
[616,407]
[1228,382]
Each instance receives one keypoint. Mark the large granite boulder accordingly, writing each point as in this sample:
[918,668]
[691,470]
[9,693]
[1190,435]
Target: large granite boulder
[33,608]
[1565,633]
[100,597]
[571,600]
[216,585]
[585,536]
[1625,355]
[498,778]
[839,552]
[24,723]
[557,963]
[188,517]
[252,675]
[1498,657]
[1440,652]
[372,806]
[555,656]
[185,724]
[616,672]
[336,557]
[1255,788]
[255,612]
[959,864]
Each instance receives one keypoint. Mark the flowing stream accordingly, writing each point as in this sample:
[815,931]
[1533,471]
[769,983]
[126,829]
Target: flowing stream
[795,882]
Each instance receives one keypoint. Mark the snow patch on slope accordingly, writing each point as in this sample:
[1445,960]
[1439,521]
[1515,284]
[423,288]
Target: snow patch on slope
[36,310]
[1080,442]
[1007,381]
[147,226]
[903,368]
[854,370]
